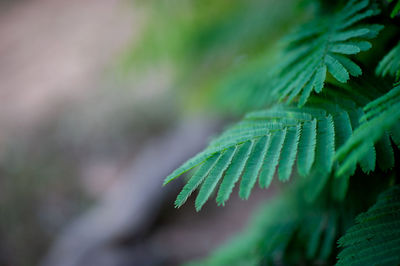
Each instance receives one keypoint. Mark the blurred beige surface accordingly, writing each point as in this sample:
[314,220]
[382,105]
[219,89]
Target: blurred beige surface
[54,52]
[56,104]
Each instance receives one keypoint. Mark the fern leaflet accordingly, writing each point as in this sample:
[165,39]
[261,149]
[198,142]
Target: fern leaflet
[323,46]
[264,143]
[382,116]
[375,239]
[390,64]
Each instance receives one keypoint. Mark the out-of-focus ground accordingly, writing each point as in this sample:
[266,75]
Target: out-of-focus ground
[71,127]
[54,52]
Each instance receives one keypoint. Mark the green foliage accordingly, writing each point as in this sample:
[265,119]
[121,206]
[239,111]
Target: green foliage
[320,113]
[323,46]
[375,239]
[381,120]
[328,44]
[204,41]
[270,141]
[390,64]
[290,230]
[258,143]
[272,232]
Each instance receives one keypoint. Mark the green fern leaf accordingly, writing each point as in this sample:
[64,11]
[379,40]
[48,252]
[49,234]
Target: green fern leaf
[214,176]
[234,171]
[253,166]
[368,160]
[195,181]
[253,148]
[390,64]
[325,143]
[325,150]
[375,239]
[307,145]
[336,69]
[348,65]
[321,47]
[272,159]
[343,48]
[343,131]
[289,153]
[190,164]
[381,116]
[319,137]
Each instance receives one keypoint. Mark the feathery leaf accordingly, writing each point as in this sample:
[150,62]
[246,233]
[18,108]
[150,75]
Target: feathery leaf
[263,140]
[234,171]
[253,166]
[381,116]
[375,239]
[320,47]
[196,180]
[289,153]
[390,64]
[214,176]
[307,145]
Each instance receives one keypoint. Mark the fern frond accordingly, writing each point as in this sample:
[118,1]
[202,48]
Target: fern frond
[331,134]
[323,46]
[375,239]
[264,143]
[390,64]
[381,116]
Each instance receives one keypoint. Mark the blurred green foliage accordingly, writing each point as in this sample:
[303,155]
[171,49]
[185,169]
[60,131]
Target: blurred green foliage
[211,44]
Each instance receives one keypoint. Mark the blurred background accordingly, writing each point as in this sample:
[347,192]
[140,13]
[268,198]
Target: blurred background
[100,100]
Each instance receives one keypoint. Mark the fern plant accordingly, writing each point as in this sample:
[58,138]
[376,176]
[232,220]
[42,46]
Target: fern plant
[329,123]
